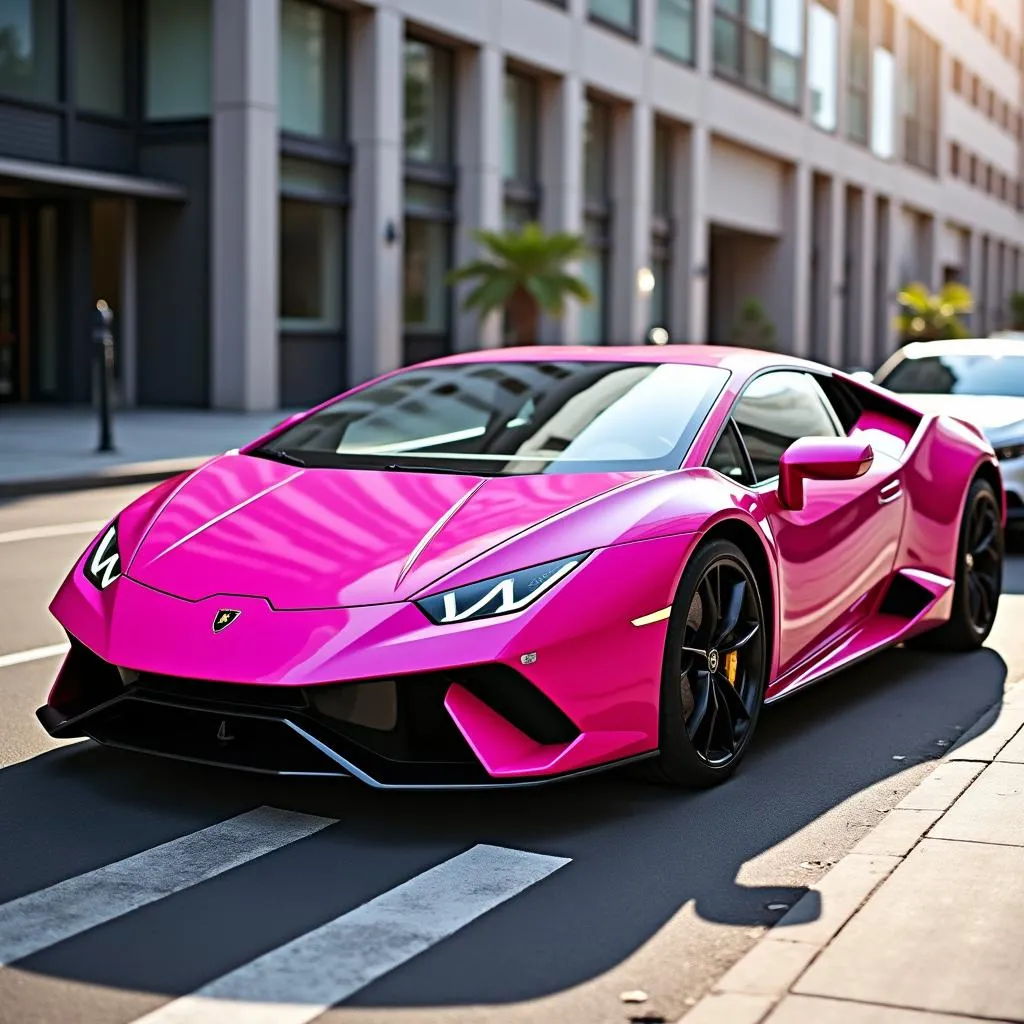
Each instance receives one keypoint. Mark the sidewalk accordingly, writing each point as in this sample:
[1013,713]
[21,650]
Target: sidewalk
[922,922]
[55,449]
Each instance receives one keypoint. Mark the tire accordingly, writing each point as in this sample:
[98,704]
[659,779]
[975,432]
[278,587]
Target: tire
[979,570]
[694,748]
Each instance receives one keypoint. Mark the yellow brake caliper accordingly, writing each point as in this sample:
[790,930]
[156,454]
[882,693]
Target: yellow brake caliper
[730,664]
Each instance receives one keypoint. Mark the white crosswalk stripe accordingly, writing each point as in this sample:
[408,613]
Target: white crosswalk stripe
[36,654]
[298,981]
[41,919]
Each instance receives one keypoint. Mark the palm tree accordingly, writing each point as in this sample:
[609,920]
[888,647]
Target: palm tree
[932,317]
[524,272]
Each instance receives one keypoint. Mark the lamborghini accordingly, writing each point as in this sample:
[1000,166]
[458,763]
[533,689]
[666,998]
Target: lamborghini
[507,567]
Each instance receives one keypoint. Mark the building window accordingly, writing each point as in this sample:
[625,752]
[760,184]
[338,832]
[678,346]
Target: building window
[859,82]
[760,43]
[661,225]
[429,198]
[311,86]
[312,246]
[921,91]
[519,156]
[673,29]
[954,160]
[99,57]
[178,59]
[958,78]
[617,13]
[822,64]
[883,87]
[28,49]
[597,155]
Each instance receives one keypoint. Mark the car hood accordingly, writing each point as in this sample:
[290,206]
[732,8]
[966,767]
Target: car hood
[324,538]
[992,413]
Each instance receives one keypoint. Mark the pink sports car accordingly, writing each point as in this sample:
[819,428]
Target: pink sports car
[503,568]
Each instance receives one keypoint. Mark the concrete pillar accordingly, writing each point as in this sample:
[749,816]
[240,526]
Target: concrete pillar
[480,92]
[632,190]
[703,20]
[833,278]
[562,112]
[895,277]
[787,295]
[375,263]
[244,205]
[691,272]
[866,259]
[128,314]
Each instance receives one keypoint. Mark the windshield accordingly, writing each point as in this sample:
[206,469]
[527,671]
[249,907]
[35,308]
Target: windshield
[496,418]
[958,375]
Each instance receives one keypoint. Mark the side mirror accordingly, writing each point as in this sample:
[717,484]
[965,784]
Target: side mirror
[820,458]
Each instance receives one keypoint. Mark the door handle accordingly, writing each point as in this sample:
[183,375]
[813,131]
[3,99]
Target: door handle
[891,492]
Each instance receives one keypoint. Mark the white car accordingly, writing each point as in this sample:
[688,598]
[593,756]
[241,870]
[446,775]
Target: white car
[980,380]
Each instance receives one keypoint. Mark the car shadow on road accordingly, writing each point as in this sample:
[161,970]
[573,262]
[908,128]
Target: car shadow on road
[639,853]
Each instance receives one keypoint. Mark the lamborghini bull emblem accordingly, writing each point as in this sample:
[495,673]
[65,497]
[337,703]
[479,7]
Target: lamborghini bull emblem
[224,618]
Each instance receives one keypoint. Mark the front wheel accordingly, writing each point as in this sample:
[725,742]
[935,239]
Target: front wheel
[978,576]
[715,669]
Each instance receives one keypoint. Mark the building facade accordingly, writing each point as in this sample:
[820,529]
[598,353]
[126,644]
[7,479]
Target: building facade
[269,193]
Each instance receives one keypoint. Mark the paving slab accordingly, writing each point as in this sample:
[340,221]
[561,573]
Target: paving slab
[897,833]
[769,968]
[1014,750]
[812,1010]
[937,935]
[991,811]
[939,791]
[729,1008]
[820,913]
[992,732]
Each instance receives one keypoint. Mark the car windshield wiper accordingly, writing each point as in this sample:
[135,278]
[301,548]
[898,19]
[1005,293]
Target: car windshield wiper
[395,467]
[279,455]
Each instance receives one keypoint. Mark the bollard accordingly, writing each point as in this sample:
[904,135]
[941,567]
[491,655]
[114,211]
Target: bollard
[103,340]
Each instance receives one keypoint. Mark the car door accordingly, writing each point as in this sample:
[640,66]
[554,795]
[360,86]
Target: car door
[838,550]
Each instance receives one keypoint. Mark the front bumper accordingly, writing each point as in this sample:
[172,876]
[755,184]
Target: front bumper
[377,692]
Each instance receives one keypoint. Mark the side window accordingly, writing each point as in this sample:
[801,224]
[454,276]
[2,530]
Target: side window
[775,410]
[728,458]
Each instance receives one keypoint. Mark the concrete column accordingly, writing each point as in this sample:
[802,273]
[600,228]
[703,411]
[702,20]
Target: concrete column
[787,295]
[480,91]
[128,327]
[244,205]
[703,20]
[562,114]
[632,189]
[866,259]
[691,238]
[895,277]
[375,264]
[833,279]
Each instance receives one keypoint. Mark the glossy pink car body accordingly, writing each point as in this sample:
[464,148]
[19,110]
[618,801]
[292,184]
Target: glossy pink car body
[323,566]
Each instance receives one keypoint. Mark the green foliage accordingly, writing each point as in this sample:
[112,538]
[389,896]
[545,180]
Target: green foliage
[753,328]
[1017,311]
[928,316]
[524,272]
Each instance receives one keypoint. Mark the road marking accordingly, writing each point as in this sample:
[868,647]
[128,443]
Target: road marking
[45,532]
[298,981]
[36,654]
[40,919]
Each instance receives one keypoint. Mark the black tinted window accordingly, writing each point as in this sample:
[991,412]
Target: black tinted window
[958,375]
[727,458]
[776,410]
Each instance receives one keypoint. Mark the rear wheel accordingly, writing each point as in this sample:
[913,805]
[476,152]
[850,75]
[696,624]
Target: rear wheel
[979,575]
[715,669]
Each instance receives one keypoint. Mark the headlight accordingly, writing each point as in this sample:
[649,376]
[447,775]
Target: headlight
[500,595]
[103,565]
[1010,451]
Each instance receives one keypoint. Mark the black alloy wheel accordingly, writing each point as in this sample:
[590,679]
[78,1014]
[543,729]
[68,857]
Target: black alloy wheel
[716,668]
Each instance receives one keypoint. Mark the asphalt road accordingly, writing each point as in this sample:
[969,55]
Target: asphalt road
[536,905]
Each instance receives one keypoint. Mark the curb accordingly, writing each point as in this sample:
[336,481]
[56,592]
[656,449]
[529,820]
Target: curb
[109,476]
[756,984]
